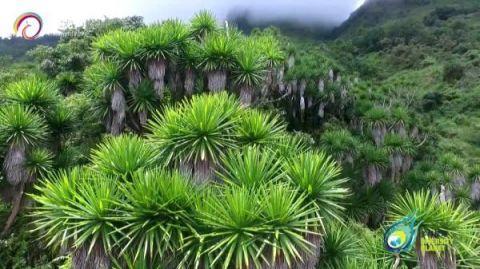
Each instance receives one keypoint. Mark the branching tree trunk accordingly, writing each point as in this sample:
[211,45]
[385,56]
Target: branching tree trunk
[16,206]
[134,78]
[246,95]
[14,164]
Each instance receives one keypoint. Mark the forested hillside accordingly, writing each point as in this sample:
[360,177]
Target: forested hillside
[194,145]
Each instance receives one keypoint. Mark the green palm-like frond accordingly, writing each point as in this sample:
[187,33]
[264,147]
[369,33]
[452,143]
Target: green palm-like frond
[104,77]
[201,128]
[123,155]
[218,52]
[250,65]
[39,162]
[122,47]
[203,24]
[317,175]
[373,155]
[340,244]
[156,43]
[143,98]
[377,116]
[34,92]
[338,143]
[20,125]
[395,143]
[76,207]
[250,167]
[270,48]
[255,127]
[157,213]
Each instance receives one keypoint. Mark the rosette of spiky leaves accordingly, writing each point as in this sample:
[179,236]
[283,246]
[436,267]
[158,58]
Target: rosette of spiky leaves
[20,125]
[400,116]
[271,50]
[250,65]
[371,155]
[369,203]
[76,207]
[60,120]
[451,164]
[256,127]
[68,82]
[434,217]
[376,117]
[218,52]
[474,173]
[203,24]
[250,167]
[104,47]
[233,224]
[339,143]
[180,34]
[33,92]
[200,129]
[156,216]
[39,162]
[122,155]
[104,77]
[317,175]
[339,244]
[125,49]
[156,43]
[291,143]
[289,219]
[143,98]
[396,144]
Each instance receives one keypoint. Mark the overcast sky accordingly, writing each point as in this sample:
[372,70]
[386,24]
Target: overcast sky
[56,12]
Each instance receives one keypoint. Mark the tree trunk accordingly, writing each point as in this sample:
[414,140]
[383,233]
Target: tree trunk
[246,93]
[310,260]
[475,191]
[372,175]
[189,82]
[217,80]
[156,73]
[143,117]
[14,164]
[119,107]
[202,171]
[134,78]
[378,134]
[16,206]
[96,259]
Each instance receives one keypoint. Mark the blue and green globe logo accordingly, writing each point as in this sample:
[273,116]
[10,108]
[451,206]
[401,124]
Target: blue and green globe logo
[401,235]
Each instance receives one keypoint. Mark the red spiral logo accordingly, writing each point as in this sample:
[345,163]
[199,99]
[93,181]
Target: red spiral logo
[26,22]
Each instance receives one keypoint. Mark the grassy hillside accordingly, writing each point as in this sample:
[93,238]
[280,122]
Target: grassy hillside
[427,52]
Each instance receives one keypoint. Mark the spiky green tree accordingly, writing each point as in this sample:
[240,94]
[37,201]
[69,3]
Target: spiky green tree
[196,134]
[340,144]
[33,92]
[474,179]
[157,215]
[20,130]
[274,57]
[374,161]
[105,81]
[143,101]
[317,176]
[255,127]
[399,149]
[249,70]
[157,47]
[121,156]
[202,24]
[122,47]
[217,58]
[76,209]
[377,120]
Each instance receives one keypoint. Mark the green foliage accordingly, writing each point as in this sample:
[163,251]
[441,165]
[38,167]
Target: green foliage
[203,24]
[198,129]
[218,52]
[21,126]
[256,127]
[122,155]
[34,92]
